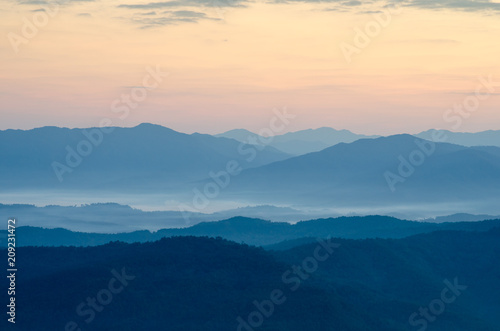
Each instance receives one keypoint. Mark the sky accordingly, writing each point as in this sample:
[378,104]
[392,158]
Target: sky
[373,67]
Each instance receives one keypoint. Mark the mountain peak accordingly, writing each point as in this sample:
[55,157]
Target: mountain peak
[150,125]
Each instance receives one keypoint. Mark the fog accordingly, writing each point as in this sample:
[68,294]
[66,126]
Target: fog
[156,211]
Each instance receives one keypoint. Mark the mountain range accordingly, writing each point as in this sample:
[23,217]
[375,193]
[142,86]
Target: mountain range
[299,142]
[253,231]
[384,171]
[114,217]
[390,173]
[145,157]
[314,140]
[484,138]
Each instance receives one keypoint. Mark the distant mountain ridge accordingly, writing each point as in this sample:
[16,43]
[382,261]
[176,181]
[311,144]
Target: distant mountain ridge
[484,138]
[143,157]
[356,173]
[314,140]
[299,142]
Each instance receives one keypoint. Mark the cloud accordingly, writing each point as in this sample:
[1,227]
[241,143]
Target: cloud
[33,2]
[50,2]
[356,6]
[174,17]
[192,11]
[371,12]
[369,6]
[188,13]
[147,23]
[308,1]
[186,3]
[352,3]
[470,5]
[153,5]
[165,18]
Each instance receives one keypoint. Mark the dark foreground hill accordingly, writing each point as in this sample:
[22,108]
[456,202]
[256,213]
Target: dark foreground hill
[188,284]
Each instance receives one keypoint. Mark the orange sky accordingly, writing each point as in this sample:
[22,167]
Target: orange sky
[230,66]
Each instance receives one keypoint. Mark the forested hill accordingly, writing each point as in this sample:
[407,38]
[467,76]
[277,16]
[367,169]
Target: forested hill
[193,283]
[254,231]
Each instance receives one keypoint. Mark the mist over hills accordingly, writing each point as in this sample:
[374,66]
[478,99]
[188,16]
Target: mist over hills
[253,231]
[114,217]
[117,218]
[397,174]
[461,217]
[184,282]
